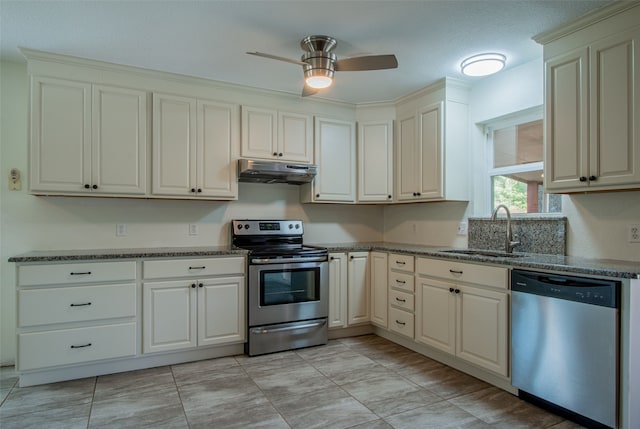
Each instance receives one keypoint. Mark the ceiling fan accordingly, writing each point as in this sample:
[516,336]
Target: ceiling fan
[319,62]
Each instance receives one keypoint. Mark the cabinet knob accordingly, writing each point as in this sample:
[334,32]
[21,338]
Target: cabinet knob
[317,195]
[415,194]
[389,196]
[583,179]
[87,186]
[418,193]
[95,186]
[199,190]
[200,285]
[593,178]
[193,190]
[332,258]
[280,154]
[193,285]
[275,153]
[451,289]
[457,290]
[352,257]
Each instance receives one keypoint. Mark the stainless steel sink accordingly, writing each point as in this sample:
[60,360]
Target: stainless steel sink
[490,253]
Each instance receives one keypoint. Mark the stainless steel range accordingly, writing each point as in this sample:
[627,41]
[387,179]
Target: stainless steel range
[288,302]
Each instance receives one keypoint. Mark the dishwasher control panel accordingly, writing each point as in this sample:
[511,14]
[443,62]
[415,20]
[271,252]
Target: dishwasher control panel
[579,289]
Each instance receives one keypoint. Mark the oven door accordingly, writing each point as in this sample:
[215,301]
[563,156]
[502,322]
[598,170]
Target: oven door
[287,292]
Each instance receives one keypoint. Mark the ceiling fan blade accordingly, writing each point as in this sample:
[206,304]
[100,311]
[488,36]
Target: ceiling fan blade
[275,57]
[307,91]
[371,62]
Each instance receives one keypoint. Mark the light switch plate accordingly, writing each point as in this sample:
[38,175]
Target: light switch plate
[193,229]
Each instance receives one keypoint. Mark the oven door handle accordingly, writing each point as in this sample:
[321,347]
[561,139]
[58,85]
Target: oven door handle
[287,328]
[293,260]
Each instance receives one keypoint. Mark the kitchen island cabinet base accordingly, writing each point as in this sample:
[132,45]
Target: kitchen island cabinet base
[74,372]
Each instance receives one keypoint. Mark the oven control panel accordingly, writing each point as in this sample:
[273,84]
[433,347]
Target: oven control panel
[267,227]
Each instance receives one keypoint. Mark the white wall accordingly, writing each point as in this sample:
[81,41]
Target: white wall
[41,223]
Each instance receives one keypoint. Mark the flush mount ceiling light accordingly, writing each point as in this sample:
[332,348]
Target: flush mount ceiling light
[483,64]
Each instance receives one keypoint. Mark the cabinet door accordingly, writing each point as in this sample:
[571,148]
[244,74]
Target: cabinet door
[358,288]
[337,290]
[295,137]
[482,328]
[379,289]
[216,150]
[60,135]
[169,316]
[335,153]
[375,161]
[566,113]
[119,141]
[431,146]
[174,145]
[435,314]
[259,133]
[615,123]
[221,311]
[407,159]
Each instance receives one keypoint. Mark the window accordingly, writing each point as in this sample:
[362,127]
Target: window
[516,165]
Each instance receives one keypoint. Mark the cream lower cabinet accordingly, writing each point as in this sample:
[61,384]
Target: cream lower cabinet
[196,309]
[75,313]
[462,309]
[349,294]
[401,294]
[378,282]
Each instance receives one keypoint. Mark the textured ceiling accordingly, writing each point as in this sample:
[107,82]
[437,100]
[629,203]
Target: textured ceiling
[209,38]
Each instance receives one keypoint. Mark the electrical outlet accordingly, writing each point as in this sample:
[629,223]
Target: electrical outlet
[121,230]
[633,231]
[193,229]
[462,228]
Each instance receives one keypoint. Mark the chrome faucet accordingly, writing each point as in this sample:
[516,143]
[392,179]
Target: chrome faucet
[509,244]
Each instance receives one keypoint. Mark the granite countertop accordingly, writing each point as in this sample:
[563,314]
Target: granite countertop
[570,264]
[154,252]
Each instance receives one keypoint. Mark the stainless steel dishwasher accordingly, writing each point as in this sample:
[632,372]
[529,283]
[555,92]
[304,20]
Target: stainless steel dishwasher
[564,343]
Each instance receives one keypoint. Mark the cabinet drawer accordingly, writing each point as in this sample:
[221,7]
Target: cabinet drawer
[69,346]
[401,281]
[87,272]
[401,262]
[75,304]
[461,272]
[193,267]
[401,299]
[401,321]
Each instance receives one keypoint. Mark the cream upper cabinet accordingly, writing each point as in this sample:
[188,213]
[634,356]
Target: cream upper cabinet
[335,154]
[592,99]
[194,148]
[375,161]
[462,309]
[87,139]
[274,135]
[432,146]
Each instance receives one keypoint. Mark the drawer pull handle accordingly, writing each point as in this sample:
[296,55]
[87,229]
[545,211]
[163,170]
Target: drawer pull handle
[401,281]
[401,263]
[82,346]
[400,300]
[197,268]
[455,272]
[400,323]
[80,305]
[81,273]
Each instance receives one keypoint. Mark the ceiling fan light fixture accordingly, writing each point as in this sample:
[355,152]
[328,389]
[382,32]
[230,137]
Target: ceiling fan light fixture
[483,64]
[318,78]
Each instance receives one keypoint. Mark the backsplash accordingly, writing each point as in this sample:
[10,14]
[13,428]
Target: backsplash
[546,235]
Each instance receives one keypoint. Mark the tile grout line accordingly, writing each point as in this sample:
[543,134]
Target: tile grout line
[93,396]
[175,384]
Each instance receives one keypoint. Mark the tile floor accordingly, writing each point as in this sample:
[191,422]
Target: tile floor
[360,382]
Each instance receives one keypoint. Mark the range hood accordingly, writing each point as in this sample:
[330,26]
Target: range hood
[257,171]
